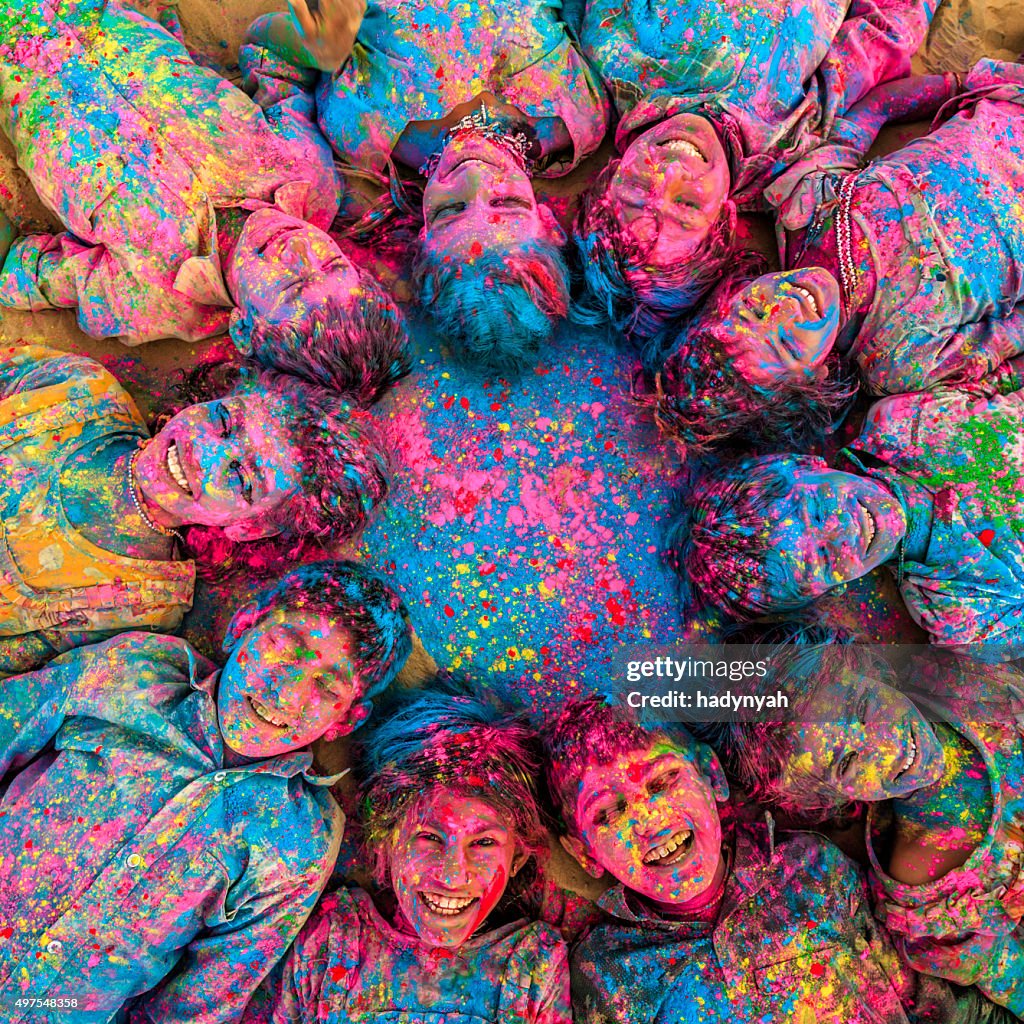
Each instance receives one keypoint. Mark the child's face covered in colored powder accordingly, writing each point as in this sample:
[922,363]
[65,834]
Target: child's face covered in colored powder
[670,187]
[862,740]
[831,528]
[479,199]
[451,861]
[649,818]
[283,267]
[781,327]
[287,682]
[225,463]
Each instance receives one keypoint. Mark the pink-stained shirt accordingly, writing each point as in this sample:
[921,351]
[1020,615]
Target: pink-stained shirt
[135,148]
[350,964]
[139,858]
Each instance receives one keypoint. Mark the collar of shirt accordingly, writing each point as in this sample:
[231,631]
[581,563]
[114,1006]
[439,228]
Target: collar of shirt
[752,851]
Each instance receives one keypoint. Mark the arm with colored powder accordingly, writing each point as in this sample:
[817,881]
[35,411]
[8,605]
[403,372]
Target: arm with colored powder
[30,367]
[873,45]
[797,193]
[302,976]
[276,843]
[320,41]
[32,709]
[552,1004]
[914,98]
[904,359]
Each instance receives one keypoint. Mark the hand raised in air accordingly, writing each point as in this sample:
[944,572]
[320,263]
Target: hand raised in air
[330,33]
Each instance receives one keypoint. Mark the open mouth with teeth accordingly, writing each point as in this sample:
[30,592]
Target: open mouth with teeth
[908,761]
[871,525]
[809,303]
[264,714]
[175,469]
[684,147]
[447,906]
[673,850]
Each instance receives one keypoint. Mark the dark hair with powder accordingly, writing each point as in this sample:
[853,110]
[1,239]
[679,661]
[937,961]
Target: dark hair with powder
[701,401]
[718,540]
[357,347]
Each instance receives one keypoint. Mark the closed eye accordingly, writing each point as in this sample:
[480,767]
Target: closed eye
[223,415]
[605,815]
[846,764]
[446,209]
[501,202]
[662,782]
[244,483]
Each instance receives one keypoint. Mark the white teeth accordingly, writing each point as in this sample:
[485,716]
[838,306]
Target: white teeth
[872,524]
[682,146]
[663,853]
[808,296]
[449,906]
[910,758]
[262,711]
[174,468]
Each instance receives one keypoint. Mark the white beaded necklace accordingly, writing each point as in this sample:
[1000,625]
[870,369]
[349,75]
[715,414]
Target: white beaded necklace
[132,489]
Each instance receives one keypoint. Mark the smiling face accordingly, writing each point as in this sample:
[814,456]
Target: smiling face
[871,742]
[832,528]
[480,199]
[649,818]
[283,267]
[450,864]
[670,187]
[226,463]
[781,327]
[289,680]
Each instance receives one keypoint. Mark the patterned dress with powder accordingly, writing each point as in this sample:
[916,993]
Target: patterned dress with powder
[57,409]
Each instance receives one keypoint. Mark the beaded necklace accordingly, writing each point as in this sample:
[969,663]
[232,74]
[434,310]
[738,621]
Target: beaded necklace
[143,514]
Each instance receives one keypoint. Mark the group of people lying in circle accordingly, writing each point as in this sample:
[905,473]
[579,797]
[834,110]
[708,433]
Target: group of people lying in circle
[169,826]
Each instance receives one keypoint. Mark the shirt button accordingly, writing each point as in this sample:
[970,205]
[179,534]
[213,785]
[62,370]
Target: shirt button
[220,776]
[54,946]
[134,860]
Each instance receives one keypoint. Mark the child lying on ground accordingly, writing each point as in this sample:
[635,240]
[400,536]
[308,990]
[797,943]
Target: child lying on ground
[160,841]
[712,921]
[91,506]
[933,488]
[188,208]
[907,275]
[450,825]
[480,99]
[716,100]
[946,819]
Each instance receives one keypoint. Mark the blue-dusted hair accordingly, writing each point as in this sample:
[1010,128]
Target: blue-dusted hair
[622,289]
[497,308]
[439,738]
[718,541]
[369,610]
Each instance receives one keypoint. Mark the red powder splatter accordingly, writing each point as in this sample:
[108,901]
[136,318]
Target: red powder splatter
[987,536]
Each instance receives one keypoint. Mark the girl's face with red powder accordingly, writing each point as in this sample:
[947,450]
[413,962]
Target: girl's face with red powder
[450,863]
